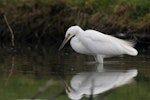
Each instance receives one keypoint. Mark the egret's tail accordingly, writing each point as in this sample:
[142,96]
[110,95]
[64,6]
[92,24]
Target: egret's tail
[128,47]
[130,51]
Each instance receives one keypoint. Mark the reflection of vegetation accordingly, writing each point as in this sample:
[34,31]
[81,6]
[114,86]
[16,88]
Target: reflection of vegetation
[25,86]
[39,61]
[39,21]
[137,91]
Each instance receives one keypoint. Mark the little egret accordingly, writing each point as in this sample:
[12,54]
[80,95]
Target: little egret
[95,43]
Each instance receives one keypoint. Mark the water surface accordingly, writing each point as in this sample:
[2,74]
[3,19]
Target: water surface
[38,72]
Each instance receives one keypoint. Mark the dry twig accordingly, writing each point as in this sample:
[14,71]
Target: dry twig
[11,31]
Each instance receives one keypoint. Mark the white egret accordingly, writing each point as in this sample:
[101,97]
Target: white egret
[95,43]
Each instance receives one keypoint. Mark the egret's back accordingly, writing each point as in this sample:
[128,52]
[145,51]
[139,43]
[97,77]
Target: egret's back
[99,43]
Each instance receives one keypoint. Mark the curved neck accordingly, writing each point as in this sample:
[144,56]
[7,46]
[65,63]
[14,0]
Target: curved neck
[78,30]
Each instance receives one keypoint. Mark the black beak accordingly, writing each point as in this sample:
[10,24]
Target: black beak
[63,43]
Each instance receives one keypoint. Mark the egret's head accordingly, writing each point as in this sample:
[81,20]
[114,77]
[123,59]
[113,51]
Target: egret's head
[72,31]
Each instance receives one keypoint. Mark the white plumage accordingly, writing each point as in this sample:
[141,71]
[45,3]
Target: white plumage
[95,43]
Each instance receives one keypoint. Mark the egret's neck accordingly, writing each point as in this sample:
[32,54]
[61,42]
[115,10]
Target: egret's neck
[79,31]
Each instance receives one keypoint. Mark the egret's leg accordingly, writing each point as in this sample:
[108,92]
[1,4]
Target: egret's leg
[99,59]
[100,67]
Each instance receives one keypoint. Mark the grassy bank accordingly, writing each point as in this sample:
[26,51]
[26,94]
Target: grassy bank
[42,21]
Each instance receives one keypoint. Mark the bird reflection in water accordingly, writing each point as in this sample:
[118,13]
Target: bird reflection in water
[93,83]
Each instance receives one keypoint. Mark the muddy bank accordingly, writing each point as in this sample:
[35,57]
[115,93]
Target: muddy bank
[46,23]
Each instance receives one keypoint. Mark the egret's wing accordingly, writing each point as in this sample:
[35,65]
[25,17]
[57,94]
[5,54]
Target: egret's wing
[99,43]
[107,38]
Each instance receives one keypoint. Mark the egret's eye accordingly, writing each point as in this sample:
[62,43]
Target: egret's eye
[68,35]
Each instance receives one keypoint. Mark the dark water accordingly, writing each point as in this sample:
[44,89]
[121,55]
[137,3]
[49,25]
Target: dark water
[43,73]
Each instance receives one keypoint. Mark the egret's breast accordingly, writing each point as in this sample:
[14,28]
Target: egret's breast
[77,46]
